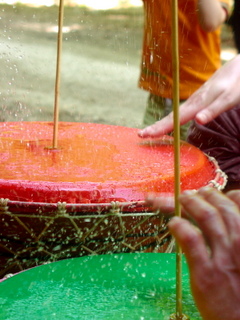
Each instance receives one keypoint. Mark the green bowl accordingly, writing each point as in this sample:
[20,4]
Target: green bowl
[106,287]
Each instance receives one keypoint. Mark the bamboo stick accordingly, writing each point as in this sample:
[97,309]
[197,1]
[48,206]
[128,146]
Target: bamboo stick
[57,82]
[177,189]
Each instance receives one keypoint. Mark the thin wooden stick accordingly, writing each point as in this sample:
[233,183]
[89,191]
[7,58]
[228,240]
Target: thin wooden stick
[177,189]
[57,82]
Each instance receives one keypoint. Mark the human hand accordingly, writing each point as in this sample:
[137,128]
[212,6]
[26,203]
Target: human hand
[213,253]
[220,93]
[211,14]
[164,202]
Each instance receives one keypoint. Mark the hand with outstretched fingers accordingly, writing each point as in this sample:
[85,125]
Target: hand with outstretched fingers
[212,249]
[220,93]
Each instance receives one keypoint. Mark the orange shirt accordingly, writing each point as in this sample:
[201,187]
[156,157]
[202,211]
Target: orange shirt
[199,51]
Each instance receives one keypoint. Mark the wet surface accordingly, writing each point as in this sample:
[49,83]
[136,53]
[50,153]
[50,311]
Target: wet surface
[109,287]
[93,163]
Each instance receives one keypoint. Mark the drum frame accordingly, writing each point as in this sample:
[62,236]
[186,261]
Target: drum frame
[115,228]
[34,233]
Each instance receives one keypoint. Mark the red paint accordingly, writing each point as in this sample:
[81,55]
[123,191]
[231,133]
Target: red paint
[93,163]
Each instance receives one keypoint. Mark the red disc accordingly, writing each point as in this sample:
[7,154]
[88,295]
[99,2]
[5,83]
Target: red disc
[93,163]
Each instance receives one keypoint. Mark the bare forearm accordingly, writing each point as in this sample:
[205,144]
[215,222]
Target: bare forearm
[211,14]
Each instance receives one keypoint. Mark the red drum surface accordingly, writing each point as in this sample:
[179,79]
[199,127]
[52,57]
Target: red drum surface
[93,163]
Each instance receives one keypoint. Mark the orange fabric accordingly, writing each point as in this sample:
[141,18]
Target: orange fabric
[199,51]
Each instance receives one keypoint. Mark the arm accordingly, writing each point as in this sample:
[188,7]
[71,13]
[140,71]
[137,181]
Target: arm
[211,14]
[220,93]
[212,253]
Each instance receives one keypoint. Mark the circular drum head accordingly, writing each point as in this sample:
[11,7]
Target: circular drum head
[93,163]
[120,286]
